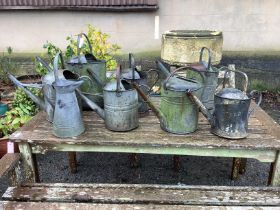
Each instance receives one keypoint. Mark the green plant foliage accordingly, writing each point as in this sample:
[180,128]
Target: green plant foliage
[14,119]
[22,101]
[6,65]
[102,49]
[22,111]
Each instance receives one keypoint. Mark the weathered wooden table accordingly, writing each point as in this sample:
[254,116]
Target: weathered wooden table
[263,143]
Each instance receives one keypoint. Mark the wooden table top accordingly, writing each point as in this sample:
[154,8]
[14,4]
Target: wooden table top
[149,134]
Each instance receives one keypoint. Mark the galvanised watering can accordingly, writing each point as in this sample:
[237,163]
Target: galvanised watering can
[141,78]
[120,105]
[92,70]
[48,91]
[231,113]
[210,74]
[67,120]
[177,113]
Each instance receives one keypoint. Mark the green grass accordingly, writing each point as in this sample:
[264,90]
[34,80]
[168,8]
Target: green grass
[263,86]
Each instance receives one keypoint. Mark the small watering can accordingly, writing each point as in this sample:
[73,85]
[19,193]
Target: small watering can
[92,70]
[67,120]
[231,114]
[120,105]
[210,74]
[177,113]
[141,78]
[48,90]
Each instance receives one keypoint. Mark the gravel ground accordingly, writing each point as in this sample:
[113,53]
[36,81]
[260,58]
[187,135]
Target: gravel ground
[153,169]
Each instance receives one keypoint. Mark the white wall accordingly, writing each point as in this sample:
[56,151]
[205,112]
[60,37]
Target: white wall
[246,24]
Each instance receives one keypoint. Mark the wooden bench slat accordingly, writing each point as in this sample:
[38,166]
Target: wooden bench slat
[8,205]
[146,194]
[8,162]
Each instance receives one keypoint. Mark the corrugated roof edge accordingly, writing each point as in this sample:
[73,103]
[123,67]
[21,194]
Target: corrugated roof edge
[86,8]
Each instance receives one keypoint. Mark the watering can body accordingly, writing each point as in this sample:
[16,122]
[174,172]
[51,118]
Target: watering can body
[177,112]
[120,111]
[231,111]
[67,121]
[92,70]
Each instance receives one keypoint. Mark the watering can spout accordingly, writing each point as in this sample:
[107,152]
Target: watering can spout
[92,105]
[33,97]
[163,68]
[202,108]
[157,111]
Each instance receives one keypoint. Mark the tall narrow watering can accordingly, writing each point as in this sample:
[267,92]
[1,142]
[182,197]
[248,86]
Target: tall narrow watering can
[67,120]
[231,113]
[48,91]
[91,69]
[210,74]
[177,113]
[141,78]
[120,105]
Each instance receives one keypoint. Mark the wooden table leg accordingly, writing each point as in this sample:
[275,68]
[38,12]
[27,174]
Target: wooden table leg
[134,160]
[72,162]
[243,164]
[238,167]
[236,162]
[275,178]
[29,164]
[176,163]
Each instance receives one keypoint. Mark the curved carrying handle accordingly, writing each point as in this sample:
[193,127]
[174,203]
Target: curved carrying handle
[245,85]
[55,64]
[184,68]
[252,93]
[156,80]
[209,57]
[44,63]
[78,43]
[118,76]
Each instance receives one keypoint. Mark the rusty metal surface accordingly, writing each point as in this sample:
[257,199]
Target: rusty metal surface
[80,4]
[146,194]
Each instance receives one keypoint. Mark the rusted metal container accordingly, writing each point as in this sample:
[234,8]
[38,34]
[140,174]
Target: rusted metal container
[182,47]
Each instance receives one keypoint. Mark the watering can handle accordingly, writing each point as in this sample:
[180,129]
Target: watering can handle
[55,64]
[245,85]
[209,57]
[40,60]
[131,61]
[252,93]
[157,72]
[78,43]
[118,76]
[184,68]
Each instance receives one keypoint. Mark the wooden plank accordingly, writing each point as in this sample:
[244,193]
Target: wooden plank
[261,155]
[275,179]
[145,194]
[29,164]
[8,162]
[9,205]
[148,133]
[272,126]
